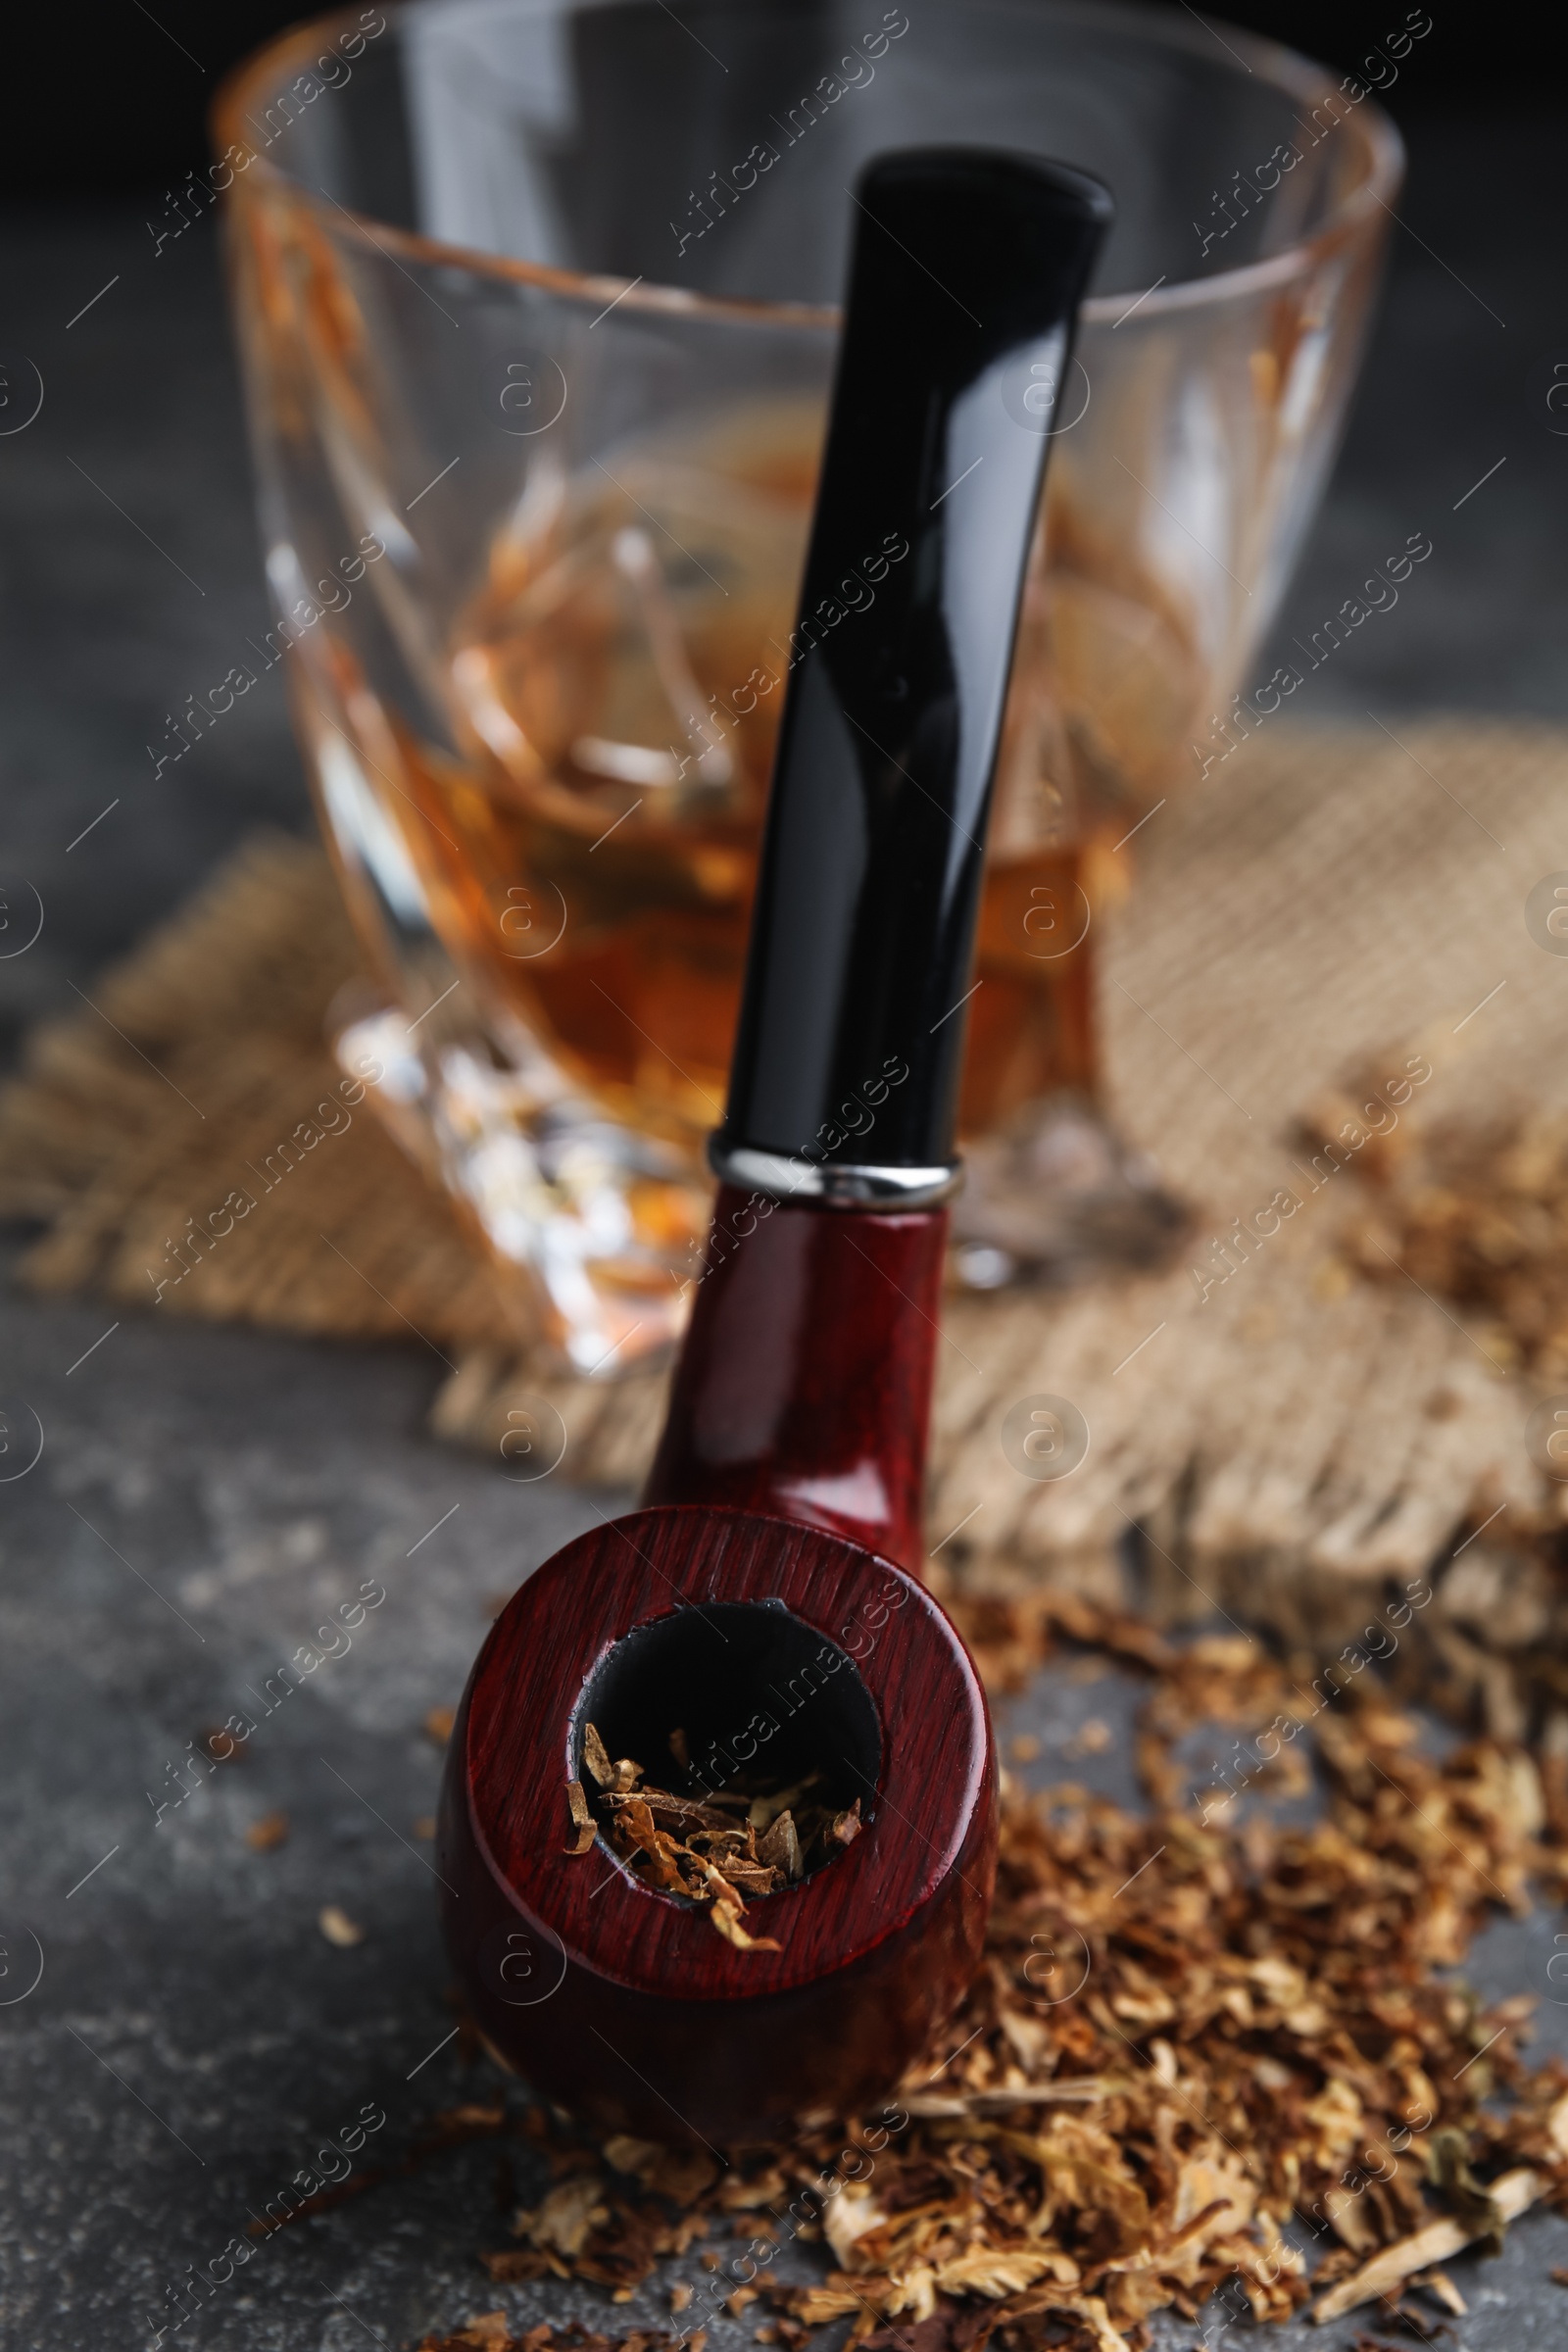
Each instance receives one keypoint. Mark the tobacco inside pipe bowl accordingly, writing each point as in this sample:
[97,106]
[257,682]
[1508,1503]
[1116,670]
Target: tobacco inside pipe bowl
[723,1723]
[619,1999]
[719,1826]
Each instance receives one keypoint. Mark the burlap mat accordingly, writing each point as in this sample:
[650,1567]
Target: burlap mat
[1327,902]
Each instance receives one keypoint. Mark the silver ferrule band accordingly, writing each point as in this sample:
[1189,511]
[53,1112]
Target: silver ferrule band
[832,1183]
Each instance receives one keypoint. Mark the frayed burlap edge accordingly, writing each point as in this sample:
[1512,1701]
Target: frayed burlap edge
[1288,1441]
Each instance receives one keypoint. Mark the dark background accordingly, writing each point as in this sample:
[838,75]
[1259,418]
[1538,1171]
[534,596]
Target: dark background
[133,117]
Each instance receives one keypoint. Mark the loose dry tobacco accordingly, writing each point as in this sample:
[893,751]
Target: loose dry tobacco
[1189,2035]
[1481,1218]
[725,1848]
[489,2332]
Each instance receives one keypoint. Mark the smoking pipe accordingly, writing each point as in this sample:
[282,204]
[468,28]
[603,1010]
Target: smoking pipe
[763,1605]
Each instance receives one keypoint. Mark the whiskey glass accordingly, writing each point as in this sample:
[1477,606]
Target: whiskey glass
[535,301]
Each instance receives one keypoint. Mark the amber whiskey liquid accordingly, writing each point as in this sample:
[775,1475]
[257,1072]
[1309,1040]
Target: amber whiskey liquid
[592,852]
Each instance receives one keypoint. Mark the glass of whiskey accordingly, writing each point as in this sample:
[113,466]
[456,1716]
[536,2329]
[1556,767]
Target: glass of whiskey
[536,304]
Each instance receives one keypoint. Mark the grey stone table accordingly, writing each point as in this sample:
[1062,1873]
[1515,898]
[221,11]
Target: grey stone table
[204,1499]
[203,1503]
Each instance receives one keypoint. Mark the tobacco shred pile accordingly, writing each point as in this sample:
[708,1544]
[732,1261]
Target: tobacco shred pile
[489,2332]
[1480,1218]
[1193,2033]
[724,1848]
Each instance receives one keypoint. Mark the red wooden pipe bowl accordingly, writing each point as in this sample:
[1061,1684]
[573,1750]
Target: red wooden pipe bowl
[752,1604]
[622,2003]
